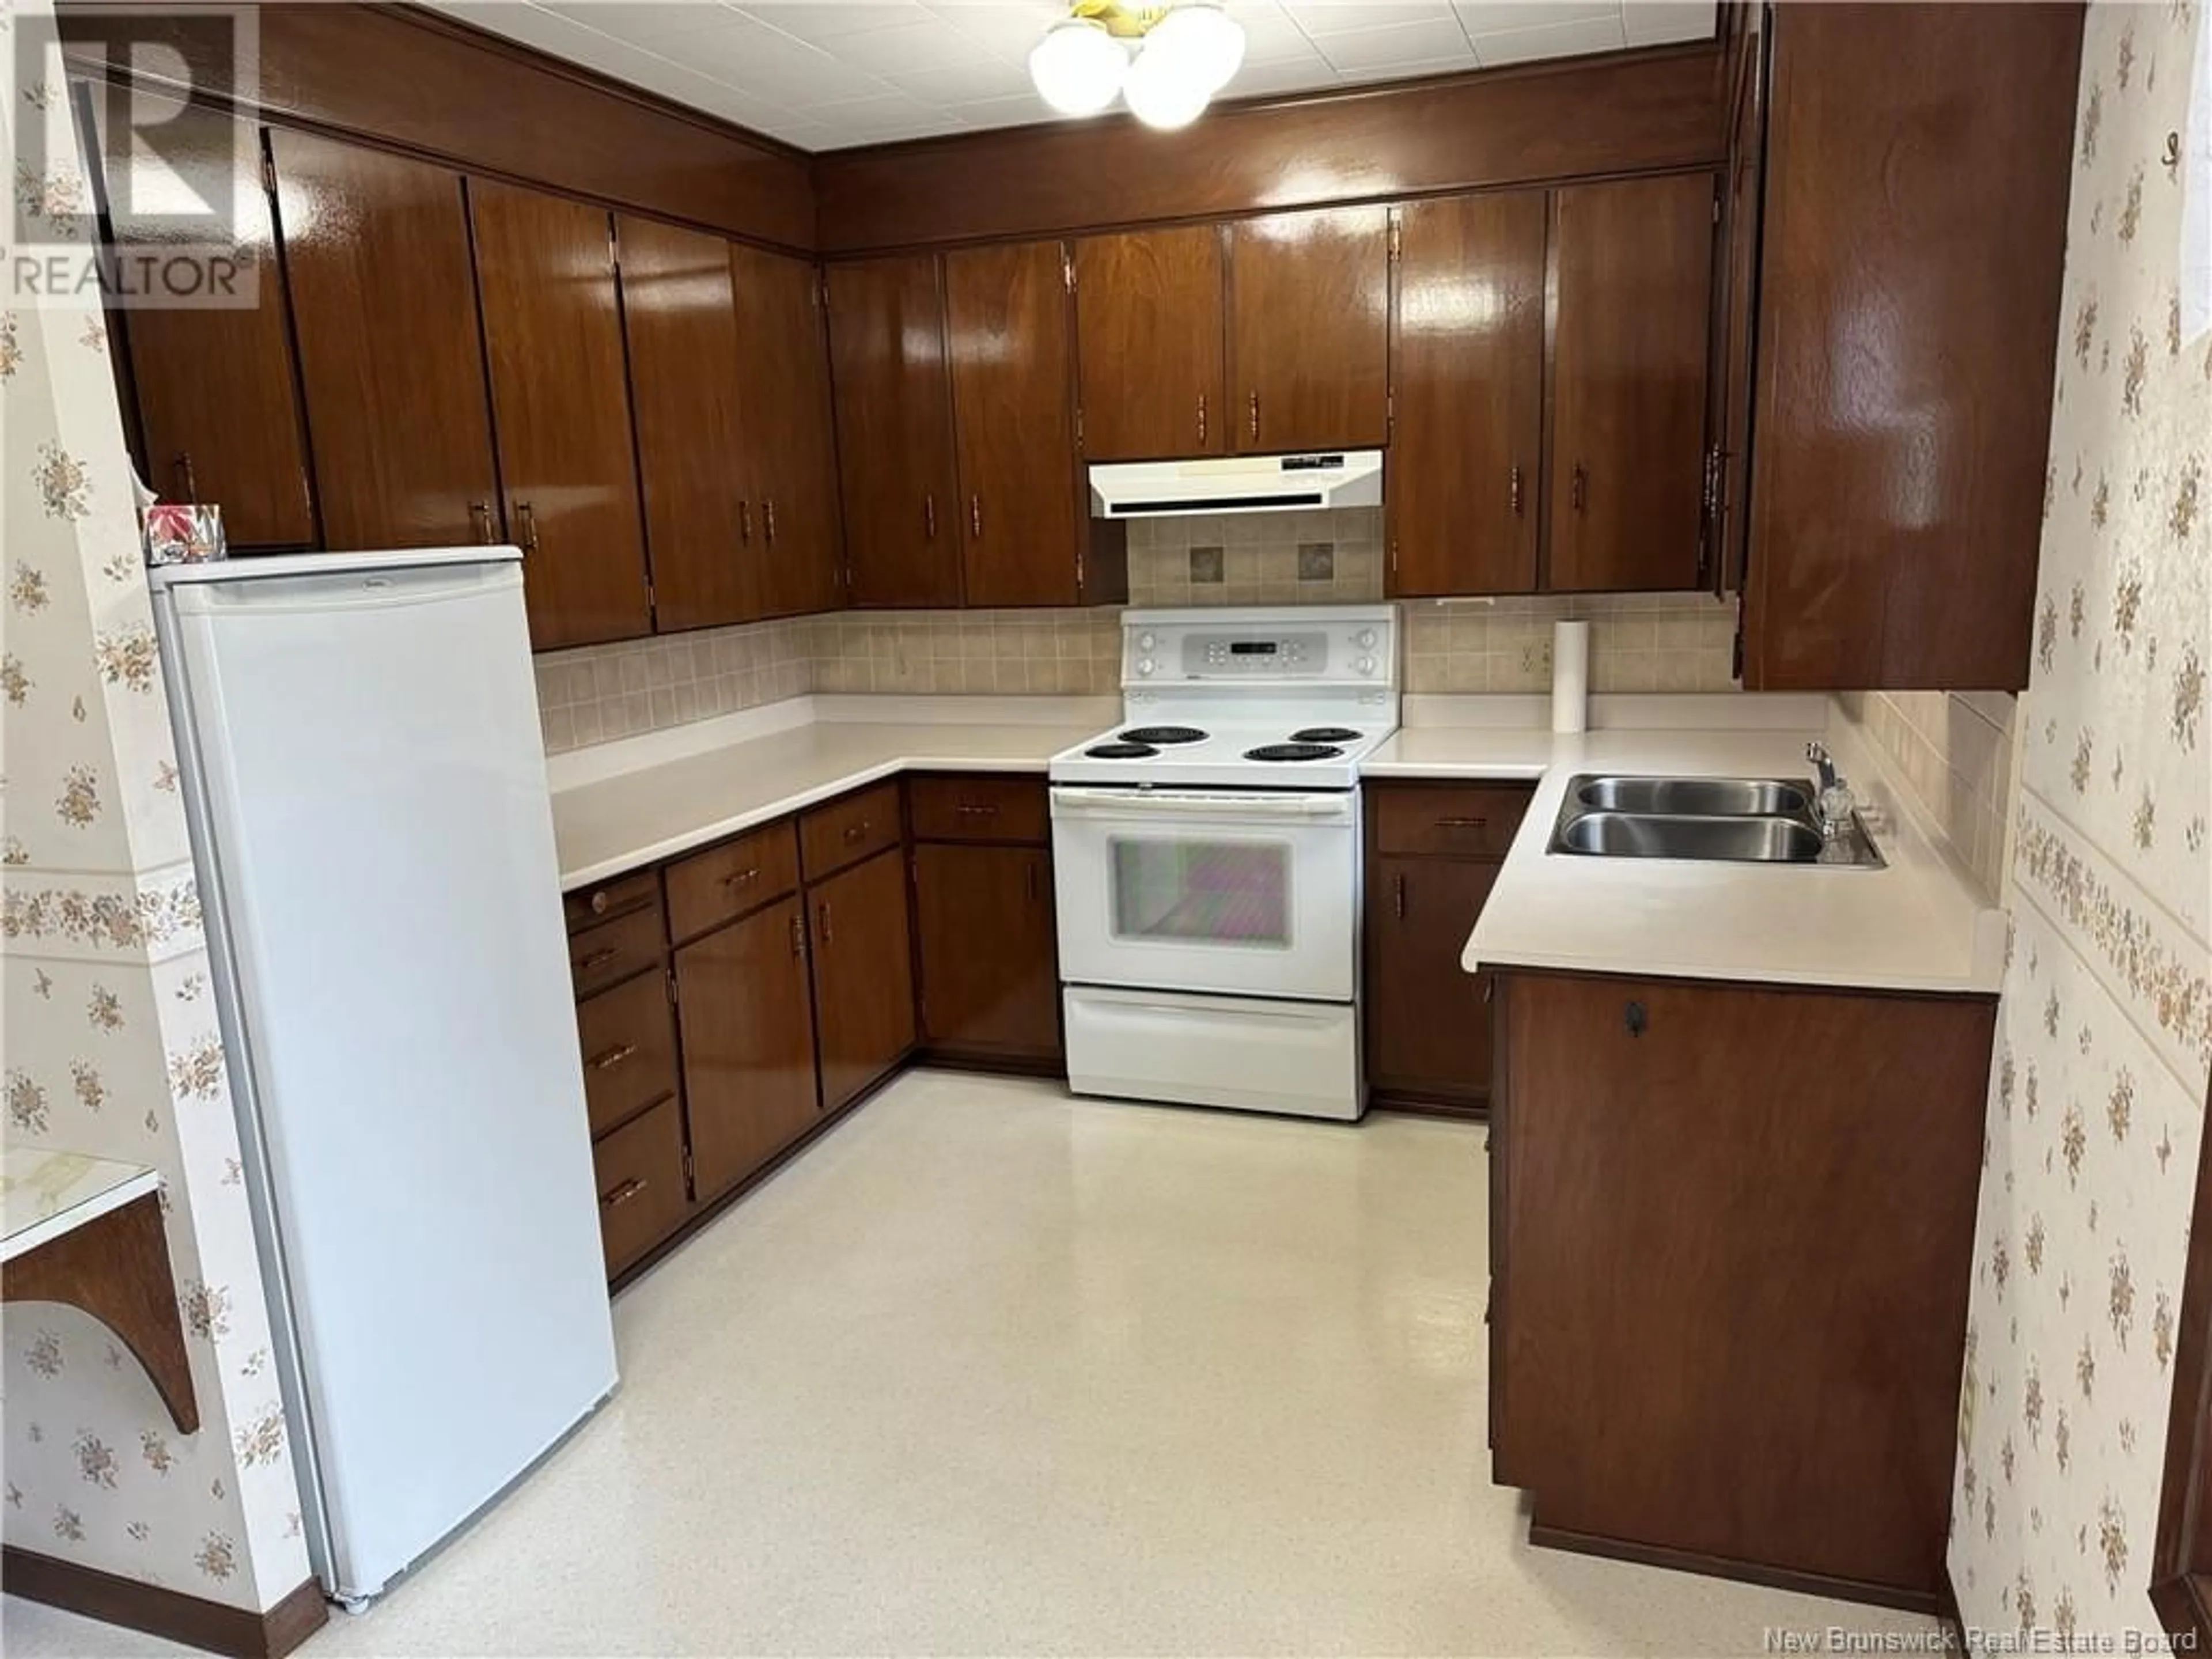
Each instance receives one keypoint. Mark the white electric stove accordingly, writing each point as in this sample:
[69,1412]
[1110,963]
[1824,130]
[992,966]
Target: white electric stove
[1206,860]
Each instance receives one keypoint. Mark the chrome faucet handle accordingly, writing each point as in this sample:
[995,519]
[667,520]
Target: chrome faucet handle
[1818,754]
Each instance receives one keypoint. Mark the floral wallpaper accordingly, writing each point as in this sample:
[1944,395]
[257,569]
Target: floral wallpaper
[2104,1040]
[113,1047]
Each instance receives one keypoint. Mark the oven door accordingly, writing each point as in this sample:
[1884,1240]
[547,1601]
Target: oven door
[1251,893]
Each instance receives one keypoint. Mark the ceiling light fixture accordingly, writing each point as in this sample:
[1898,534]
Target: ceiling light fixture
[1185,52]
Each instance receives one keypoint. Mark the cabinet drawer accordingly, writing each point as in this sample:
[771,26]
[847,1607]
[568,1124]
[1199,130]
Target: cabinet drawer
[849,830]
[980,808]
[629,1045]
[1477,821]
[728,880]
[640,1176]
[604,900]
[602,956]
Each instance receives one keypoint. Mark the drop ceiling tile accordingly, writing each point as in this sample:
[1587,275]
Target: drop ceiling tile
[1321,17]
[644,22]
[1550,40]
[817,22]
[972,82]
[1271,80]
[906,46]
[1007,28]
[1495,16]
[1019,111]
[750,55]
[1438,41]
[1654,22]
[1270,36]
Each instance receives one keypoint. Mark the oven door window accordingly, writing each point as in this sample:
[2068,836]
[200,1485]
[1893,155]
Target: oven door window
[1218,890]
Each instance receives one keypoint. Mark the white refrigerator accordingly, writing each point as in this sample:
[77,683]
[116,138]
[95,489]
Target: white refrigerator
[366,784]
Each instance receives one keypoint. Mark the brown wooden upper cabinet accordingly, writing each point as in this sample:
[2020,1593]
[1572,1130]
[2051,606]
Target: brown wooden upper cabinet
[1148,310]
[679,319]
[1632,279]
[545,266]
[1464,482]
[894,431]
[1903,407]
[218,400]
[789,443]
[1310,331]
[376,254]
[1013,345]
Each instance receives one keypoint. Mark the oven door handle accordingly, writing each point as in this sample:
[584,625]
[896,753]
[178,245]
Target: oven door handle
[1227,808]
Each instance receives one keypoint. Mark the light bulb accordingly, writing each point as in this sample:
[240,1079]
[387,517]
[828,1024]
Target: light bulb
[1078,67]
[1210,42]
[1164,88]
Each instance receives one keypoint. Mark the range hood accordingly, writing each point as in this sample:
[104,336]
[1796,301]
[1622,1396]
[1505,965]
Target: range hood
[1238,483]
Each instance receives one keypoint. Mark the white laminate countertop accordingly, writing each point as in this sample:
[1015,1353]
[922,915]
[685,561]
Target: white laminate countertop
[44,1194]
[1919,925]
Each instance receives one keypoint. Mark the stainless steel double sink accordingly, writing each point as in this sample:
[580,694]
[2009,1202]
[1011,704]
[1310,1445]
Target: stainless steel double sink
[1723,820]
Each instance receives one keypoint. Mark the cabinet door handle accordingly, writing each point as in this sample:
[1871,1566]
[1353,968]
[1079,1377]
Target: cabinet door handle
[1256,417]
[974,810]
[929,517]
[480,517]
[768,520]
[185,470]
[1515,491]
[622,1194]
[1579,494]
[1398,894]
[854,832]
[797,939]
[822,916]
[1636,1018]
[608,1060]
[528,514]
[599,958]
[745,522]
[1202,417]
[742,877]
[1462,824]
[975,516]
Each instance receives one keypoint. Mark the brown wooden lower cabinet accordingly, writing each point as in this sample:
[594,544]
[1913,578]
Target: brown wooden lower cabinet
[643,1196]
[749,1076]
[1732,1241]
[863,975]
[1434,850]
[989,951]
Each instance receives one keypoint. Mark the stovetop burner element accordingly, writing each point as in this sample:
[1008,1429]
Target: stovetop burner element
[1163,734]
[1324,734]
[1293,752]
[1122,751]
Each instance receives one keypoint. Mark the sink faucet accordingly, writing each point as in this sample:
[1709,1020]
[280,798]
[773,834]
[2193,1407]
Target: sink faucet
[1835,802]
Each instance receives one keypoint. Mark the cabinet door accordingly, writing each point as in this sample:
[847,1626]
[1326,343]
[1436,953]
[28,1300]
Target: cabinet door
[218,404]
[990,964]
[1428,1020]
[863,975]
[1012,349]
[1632,273]
[1310,330]
[1738,318]
[679,322]
[749,1079]
[376,253]
[894,431]
[560,398]
[1467,383]
[784,413]
[1148,321]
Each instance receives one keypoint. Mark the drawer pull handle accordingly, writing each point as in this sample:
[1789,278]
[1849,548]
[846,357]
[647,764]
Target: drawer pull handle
[612,1057]
[600,900]
[797,939]
[622,1194]
[1462,824]
[822,915]
[969,810]
[599,958]
[1398,896]
[742,877]
[855,831]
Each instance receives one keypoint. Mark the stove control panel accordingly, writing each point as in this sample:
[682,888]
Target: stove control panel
[1349,646]
[1252,656]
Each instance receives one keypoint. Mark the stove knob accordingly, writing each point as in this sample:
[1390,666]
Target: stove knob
[1146,641]
[1365,664]
[1146,666]
[1365,639]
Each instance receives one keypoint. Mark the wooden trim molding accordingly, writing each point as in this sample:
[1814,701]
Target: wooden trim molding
[411,80]
[2181,1554]
[166,1612]
[1664,109]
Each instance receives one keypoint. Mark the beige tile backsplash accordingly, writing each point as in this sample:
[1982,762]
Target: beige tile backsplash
[1953,751]
[1640,643]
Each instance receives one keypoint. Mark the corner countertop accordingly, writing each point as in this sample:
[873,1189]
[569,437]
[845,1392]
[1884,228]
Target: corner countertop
[1919,925]
[44,1194]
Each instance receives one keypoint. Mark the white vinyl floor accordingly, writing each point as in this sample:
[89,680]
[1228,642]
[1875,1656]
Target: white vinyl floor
[992,1371]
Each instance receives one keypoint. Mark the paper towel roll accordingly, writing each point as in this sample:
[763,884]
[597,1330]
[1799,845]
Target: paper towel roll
[1571,677]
